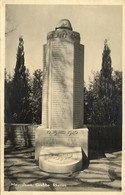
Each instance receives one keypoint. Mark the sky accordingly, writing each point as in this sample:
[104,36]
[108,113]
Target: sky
[94,23]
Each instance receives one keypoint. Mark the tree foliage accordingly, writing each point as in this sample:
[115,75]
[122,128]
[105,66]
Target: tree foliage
[103,99]
[37,96]
[19,92]
[8,87]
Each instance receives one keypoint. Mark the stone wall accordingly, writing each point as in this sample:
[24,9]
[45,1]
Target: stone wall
[19,135]
[101,138]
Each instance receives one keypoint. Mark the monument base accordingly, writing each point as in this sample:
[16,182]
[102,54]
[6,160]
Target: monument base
[60,159]
[61,143]
[61,137]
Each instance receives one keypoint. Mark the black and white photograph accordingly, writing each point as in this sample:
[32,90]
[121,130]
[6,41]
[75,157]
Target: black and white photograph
[62,97]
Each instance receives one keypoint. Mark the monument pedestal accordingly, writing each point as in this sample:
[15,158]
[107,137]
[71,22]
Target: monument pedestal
[52,145]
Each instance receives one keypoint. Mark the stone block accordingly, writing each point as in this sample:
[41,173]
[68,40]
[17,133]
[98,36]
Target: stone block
[61,137]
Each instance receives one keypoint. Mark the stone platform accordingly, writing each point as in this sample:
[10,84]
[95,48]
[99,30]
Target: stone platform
[60,159]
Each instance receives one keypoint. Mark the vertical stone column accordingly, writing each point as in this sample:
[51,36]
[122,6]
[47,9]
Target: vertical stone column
[63,80]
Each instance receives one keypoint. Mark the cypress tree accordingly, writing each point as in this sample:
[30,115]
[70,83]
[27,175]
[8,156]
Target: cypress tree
[101,92]
[106,73]
[20,104]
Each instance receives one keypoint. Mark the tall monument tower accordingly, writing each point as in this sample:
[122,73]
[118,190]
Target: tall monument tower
[63,78]
[62,100]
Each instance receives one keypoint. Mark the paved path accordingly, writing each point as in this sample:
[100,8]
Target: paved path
[23,174]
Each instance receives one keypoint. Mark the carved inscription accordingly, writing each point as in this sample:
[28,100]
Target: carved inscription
[73,36]
[61,132]
[56,137]
[62,85]
[62,104]
[59,157]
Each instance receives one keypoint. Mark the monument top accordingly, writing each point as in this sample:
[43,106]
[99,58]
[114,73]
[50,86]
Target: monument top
[64,24]
[63,31]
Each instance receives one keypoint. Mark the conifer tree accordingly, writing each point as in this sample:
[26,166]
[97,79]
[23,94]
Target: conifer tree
[21,89]
[106,73]
[101,92]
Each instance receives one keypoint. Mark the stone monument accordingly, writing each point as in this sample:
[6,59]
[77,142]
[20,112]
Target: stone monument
[61,143]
